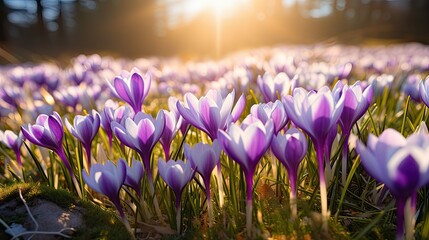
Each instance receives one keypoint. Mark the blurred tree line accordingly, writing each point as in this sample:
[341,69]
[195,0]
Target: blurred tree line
[132,27]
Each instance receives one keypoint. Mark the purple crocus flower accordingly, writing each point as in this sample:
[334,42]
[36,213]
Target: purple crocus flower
[68,96]
[211,112]
[204,158]
[107,179]
[111,112]
[172,106]
[424,91]
[271,110]
[14,142]
[134,176]
[141,134]
[48,132]
[273,88]
[132,88]
[290,149]
[85,128]
[317,114]
[410,87]
[356,103]
[172,125]
[246,146]
[176,174]
[400,163]
[11,95]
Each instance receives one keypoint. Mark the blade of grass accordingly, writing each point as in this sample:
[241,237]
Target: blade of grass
[356,163]
[38,165]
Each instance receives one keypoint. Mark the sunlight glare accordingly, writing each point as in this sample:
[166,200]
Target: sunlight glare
[224,7]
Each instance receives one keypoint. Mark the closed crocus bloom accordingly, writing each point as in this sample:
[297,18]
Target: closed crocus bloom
[410,87]
[317,114]
[246,147]
[111,112]
[401,164]
[85,128]
[134,176]
[68,96]
[424,91]
[176,174]
[48,132]
[290,149]
[271,110]
[107,179]
[14,142]
[356,103]
[172,125]
[211,112]
[172,105]
[273,88]
[204,158]
[132,88]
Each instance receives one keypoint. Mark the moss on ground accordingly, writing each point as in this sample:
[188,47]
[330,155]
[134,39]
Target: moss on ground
[98,223]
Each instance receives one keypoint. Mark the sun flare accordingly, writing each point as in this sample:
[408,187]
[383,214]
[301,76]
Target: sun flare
[224,6]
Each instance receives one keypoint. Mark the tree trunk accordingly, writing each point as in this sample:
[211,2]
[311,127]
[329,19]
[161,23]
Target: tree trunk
[40,21]
[3,36]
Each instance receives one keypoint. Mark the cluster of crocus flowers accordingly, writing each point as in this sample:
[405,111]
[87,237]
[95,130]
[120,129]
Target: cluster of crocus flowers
[318,113]
[400,163]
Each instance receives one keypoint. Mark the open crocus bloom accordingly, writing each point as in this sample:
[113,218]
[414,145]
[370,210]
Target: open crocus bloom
[107,179]
[400,163]
[132,88]
[211,112]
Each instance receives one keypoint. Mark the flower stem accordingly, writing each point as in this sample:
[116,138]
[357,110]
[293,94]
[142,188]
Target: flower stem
[146,164]
[88,156]
[292,197]
[400,206]
[344,160]
[152,194]
[410,210]
[209,202]
[323,192]
[249,204]
[178,213]
[65,160]
[220,185]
